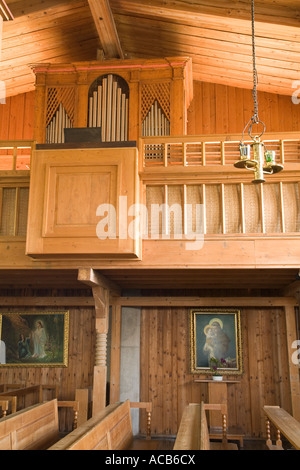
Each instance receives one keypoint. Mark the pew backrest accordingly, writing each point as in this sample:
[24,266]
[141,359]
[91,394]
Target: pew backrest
[193,430]
[110,429]
[33,428]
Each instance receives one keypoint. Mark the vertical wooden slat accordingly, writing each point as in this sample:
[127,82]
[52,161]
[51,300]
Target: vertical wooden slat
[290,318]
[165,153]
[184,209]
[242,208]
[184,145]
[261,208]
[223,153]
[1,199]
[166,225]
[16,214]
[203,154]
[282,152]
[223,215]
[204,207]
[15,154]
[115,353]
[281,202]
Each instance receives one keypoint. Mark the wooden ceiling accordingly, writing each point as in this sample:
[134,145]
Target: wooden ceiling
[237,280]
[216,35]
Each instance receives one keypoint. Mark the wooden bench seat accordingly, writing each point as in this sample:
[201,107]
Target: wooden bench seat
[193,431]
[110,429]
[33,428]
[285,424]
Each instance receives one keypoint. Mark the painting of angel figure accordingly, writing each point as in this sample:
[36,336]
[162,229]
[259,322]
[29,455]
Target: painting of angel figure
[34,339]
[215,336]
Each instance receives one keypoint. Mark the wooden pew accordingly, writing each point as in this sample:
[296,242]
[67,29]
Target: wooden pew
[4,405]
[110,429]
[33,394]
[285,424]
[193,433]
[33,428]
[224,433]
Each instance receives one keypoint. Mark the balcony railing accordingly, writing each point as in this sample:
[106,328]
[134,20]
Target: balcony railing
[212,150]
[15,155]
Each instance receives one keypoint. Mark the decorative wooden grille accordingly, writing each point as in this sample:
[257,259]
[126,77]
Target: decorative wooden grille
[60,112]
[234,209]
[155,109]
[13,211]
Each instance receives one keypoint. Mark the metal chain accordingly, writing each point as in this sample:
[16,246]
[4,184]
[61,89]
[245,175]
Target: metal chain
[254,119]
[255,77]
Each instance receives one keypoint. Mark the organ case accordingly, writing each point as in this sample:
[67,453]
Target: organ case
[126,99]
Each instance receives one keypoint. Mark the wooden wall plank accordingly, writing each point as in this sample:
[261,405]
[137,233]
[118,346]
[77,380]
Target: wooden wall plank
[265,378]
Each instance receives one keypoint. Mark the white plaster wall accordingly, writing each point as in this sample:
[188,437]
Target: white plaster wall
[130,360]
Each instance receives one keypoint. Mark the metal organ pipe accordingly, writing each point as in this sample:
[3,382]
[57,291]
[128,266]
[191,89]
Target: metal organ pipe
[155,123]
[55,128]
[109,109]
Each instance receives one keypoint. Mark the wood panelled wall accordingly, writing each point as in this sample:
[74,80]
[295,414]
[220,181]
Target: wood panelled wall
[220,109]
[214,109]
[17,117]
[166,381]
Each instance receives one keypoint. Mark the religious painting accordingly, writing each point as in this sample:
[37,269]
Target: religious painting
[215,339]
[35,339]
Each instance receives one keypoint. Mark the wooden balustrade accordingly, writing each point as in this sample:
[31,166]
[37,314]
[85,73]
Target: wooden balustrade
[212,150]
[15,154]
[284,423]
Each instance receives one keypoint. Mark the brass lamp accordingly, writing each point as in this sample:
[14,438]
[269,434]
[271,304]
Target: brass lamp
[263,161]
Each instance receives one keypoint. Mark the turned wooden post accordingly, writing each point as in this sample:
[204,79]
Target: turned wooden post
[268,427]
[102,289]
[101,297]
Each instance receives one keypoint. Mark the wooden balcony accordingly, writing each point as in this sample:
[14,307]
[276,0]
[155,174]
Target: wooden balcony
[242,225]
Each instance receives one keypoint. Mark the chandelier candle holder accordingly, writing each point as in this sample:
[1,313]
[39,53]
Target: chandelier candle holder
[263,161]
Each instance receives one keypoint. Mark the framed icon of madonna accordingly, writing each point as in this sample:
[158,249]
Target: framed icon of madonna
[215,339]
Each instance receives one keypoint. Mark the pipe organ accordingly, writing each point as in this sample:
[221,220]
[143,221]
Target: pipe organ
[108,108]
[125,99]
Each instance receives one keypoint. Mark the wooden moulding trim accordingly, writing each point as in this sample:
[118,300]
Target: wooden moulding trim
[109,67]
[205,301]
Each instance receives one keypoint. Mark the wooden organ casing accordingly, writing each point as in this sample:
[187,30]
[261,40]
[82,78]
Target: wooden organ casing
[148,97]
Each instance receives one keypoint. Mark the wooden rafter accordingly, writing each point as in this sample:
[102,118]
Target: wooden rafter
[106,28]
[5,12]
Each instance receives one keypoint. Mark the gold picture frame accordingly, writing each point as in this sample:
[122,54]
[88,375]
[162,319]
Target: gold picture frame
[34,339]
[215,333]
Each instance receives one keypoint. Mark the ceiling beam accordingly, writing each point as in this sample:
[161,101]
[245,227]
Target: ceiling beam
[93,279]
[5,12]
[106,28]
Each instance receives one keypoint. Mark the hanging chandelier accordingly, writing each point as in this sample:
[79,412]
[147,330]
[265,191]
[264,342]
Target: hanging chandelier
[263,161]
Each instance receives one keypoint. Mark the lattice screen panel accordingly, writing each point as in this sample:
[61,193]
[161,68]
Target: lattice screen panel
[13,211]
[155,109]
[60,113]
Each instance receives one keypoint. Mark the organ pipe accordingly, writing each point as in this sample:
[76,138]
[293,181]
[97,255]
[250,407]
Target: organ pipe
[109,109]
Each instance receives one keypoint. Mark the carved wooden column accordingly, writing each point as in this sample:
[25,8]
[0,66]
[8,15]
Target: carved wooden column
[101,297]
[102,289]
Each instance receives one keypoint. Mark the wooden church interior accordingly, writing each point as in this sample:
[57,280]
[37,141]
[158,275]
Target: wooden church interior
[110,109]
